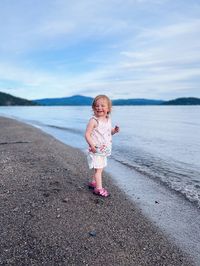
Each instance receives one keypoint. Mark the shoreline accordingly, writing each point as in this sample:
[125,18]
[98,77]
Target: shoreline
[50,217]
[177,217]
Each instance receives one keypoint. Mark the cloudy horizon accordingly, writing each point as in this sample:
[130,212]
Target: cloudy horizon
[125,49]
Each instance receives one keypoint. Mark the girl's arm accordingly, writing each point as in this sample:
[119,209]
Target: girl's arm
[115,130]
[91,125]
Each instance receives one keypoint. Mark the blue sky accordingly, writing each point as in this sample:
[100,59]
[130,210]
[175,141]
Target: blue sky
[122,48]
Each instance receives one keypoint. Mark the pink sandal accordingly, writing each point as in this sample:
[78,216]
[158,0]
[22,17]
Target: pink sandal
[92,185]
[101,192]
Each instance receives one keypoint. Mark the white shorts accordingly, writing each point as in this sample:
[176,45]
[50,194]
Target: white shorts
[96,161]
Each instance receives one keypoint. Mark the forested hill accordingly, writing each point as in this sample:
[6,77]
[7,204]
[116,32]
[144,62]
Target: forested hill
[183,101]
[72,100]
[8,100]
[79,100]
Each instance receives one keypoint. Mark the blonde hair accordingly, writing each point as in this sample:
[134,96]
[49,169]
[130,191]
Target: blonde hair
[109,102]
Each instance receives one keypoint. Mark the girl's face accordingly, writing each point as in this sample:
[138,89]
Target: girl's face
[101,108]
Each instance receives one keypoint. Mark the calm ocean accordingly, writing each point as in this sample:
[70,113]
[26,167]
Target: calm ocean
[162,143]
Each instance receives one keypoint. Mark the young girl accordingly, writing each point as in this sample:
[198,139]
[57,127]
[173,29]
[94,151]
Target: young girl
[99,137]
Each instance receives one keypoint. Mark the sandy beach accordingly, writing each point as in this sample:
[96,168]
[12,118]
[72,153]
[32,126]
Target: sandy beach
[49,216]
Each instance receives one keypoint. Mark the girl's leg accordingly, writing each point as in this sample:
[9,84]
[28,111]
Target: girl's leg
[92,182]
[93,177]
[98,177]
[99,190]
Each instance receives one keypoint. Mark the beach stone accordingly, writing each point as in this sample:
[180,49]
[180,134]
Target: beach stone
[65,200]
[93,233]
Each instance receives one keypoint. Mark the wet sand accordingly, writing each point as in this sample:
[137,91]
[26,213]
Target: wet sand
[49,217]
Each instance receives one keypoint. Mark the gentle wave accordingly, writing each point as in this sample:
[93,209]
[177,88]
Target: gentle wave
[172,174]
[71,130]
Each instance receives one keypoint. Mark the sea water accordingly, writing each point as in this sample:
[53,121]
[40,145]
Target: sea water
[160,142]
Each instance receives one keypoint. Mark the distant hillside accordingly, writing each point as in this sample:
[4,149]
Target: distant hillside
[79,100]
[8,100]
[136,102]
[83,100]
[183,101]
[73,100]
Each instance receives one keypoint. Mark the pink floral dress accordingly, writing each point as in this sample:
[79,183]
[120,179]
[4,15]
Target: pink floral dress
[102,138]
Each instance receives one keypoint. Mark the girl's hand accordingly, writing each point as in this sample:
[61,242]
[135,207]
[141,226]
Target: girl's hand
[92,149]
[115,130]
